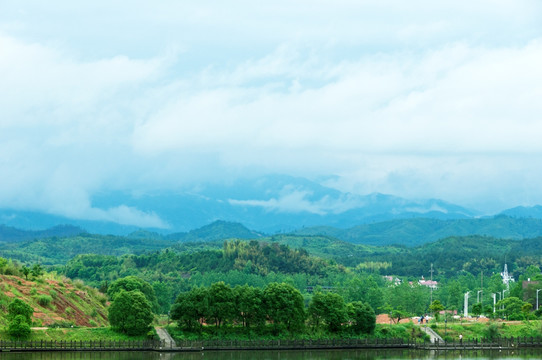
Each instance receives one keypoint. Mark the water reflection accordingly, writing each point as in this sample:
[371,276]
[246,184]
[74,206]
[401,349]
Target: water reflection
[280,355]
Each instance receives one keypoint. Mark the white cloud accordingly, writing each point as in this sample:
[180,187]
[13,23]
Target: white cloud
[297,201]
[419,99]
[127,216]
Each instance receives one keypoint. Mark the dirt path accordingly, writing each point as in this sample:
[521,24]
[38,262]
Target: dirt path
[165,337]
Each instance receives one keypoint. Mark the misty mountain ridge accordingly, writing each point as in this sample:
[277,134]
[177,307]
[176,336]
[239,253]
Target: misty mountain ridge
[269,204]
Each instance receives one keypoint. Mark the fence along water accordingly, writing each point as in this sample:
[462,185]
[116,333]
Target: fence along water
[198,345]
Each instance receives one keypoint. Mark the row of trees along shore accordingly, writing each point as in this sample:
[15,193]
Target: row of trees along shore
[278,307]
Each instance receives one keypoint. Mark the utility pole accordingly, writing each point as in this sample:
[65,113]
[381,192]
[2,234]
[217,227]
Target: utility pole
[482,288]
[494,301]
[431,287]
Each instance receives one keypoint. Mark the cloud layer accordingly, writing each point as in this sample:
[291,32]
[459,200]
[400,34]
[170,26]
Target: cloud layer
[425,100]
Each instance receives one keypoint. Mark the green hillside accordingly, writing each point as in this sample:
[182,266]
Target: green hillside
[58,250]
[218,230]
[55,300]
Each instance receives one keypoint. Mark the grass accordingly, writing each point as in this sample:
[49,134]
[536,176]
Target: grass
[480,330]
[77,334]
[51,302]
[229,332]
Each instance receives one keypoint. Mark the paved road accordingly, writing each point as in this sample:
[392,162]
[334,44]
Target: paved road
[164,336]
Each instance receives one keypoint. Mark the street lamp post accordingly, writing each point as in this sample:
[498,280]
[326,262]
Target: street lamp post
[478,296]
[494,301]
[537,298]
[466,305]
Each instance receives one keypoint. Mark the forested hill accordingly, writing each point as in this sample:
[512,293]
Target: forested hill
[11,234]
[58,250]
[452,255]
[413,232]
[218,230]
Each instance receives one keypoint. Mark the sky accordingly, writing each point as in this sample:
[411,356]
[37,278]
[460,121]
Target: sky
[419,99]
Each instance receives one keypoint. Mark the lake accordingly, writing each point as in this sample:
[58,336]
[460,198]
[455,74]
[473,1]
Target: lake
[279,355]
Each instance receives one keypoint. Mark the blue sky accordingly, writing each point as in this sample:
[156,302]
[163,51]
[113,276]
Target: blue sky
[418,99]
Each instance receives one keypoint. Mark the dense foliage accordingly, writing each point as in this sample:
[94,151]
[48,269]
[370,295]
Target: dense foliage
[133,283]
[130,313]
[279,308]
[20,319]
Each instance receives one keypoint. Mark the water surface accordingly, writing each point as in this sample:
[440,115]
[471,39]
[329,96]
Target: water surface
[279,355]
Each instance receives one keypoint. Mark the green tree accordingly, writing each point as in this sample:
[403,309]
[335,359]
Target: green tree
[19,307]
[328,308]
[164,296]
[130,313]
[365,288]
[362,317]
[131,283]
[455,295]
[249,305]
[477,309]
[284,306]
[436,307]
[526,309]
[411,299]
[190,307]
[511,308]
[396,313]
[220,303]
[37,271]
[19,328]
[25,271]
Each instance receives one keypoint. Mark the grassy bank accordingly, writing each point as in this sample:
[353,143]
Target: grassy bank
[77,334]
[489,330]
[403,331]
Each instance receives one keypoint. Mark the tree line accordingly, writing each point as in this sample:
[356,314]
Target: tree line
[276,308]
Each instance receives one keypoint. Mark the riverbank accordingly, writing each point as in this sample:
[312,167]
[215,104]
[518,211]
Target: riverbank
[263,345]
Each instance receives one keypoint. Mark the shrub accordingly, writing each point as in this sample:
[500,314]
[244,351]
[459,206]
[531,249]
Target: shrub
[69,311]
[79,284]
[62,324]
[53,294]
[18,307]
[33,291]
[491,332]
[19,328]
[44,300]
[102,299]
[93,313]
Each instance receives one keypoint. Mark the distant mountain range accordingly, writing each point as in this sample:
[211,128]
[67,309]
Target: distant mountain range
[278,204]
[418,231]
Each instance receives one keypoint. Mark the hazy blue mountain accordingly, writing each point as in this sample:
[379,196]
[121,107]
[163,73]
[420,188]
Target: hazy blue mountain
[37,221]
[524,211]
[269,204]
[276,204]
[417,231]
[11,234]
